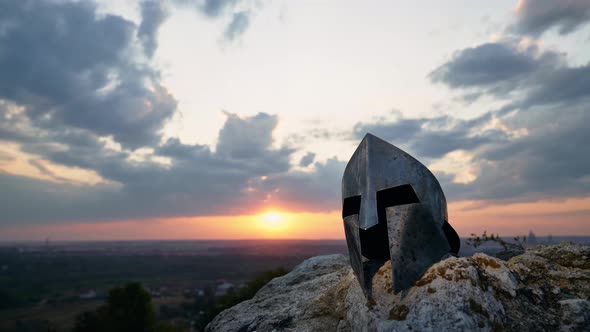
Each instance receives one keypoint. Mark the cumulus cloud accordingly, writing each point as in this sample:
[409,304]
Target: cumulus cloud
[307,159]
[528,76]
[544,161]
[432,138]
[73,83]
[24,199]
[246,138]
[244,173]
[496,69]
[238,25]
[311,191]
[5,156]
[528,149]
[70,68]
[537,16]
[37,164]
[76,91]
[238,11]
[547,162]
[215,8]
[485,65]
[548,103]
[153,14]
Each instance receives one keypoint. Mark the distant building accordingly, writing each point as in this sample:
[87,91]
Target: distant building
[223,288]
[532,239]
[155,292]
[88,295]
[194,292]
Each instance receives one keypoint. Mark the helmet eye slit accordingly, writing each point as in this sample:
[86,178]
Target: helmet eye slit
[393,196]
[376,239]
[399,195]
[351,206]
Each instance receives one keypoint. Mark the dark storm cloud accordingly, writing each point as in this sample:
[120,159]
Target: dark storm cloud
[537,16]
[70,67]
[237,26]
[153,14]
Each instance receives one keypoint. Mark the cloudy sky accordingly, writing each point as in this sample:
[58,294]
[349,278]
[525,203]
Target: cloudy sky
[129,119]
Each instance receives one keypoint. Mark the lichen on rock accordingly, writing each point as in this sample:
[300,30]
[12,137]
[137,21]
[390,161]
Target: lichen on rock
[544,289]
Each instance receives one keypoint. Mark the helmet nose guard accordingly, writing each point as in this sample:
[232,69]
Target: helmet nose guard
[393,208]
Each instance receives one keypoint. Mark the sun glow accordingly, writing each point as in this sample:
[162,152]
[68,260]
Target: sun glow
[280,224]
[273,220]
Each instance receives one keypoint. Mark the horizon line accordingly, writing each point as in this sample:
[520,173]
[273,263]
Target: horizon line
[236,240]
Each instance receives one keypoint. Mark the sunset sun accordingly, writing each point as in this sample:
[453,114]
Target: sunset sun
[273,220]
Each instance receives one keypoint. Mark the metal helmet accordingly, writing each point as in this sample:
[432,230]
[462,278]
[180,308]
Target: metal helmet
[393,209]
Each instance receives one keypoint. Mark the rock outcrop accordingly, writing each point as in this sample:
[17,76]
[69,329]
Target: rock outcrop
[545,289]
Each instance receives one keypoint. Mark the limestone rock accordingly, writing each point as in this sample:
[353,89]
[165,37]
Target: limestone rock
[545,289]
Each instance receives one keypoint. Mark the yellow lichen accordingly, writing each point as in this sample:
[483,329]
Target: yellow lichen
[486,261]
